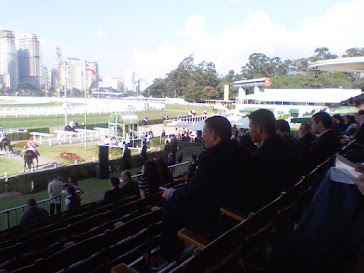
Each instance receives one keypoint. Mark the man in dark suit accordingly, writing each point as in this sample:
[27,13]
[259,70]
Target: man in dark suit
[327,144]
[129,187]
[278,165]
[115,194]
[359,136]
[305,135]
[221,175]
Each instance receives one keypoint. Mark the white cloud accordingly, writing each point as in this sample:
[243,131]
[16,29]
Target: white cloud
[101,34]
[338,29]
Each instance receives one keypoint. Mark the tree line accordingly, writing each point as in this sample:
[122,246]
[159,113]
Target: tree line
[201,82]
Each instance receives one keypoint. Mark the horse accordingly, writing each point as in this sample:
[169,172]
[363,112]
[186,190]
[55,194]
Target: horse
[29,159]
[69,128]
[6,143]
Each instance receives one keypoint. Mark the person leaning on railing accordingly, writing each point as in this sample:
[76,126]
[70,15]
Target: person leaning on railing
[33,214]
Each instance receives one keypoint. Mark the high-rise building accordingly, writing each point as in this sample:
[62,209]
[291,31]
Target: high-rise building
[29,59]
[44,77]
[74,75]
[8,60]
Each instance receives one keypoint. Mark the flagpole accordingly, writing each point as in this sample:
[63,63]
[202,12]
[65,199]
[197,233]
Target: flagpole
[85,121]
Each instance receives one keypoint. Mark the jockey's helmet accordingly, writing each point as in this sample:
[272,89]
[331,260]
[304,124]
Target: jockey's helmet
[31,138]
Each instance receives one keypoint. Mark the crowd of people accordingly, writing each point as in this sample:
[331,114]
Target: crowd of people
[239,169]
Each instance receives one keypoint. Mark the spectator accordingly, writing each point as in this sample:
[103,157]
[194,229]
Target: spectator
[350,126]
[277,162]
[73,200]
[33,214]
[171,160]
[359,136]
[55,193]
[192,161]
[305,135]
[129,187]
[72,181]
[180,154]
[164,172]
[339,121]
[115,194]
[327,144]
[174,147]
[167,149]
[197,204]
[143,154]
[163,133]
[127,158]
[150,180]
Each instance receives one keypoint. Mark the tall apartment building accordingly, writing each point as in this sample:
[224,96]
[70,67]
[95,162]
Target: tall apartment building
[8,60]
[29,59]
[44,77]
[74,74]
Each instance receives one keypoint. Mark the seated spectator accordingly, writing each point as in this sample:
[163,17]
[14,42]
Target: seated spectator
[196,205]
[115,194]
[150,180]
[327,144]
[339,121]
[171,160]
[73,200]
[164,172]
[350,127]
[129,187]
[277,163]
[305,135]
[245,141]
[359,136]
[33,214]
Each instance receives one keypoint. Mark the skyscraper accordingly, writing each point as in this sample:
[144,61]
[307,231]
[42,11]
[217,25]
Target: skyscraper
[8,60]
[29,59]
[74,74]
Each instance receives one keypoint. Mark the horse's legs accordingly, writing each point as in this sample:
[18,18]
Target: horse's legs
[37,161]
[25,162]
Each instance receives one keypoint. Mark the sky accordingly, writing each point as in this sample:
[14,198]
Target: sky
[152,37]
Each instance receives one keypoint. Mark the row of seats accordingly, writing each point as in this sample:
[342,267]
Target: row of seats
[108,224]
[249,243]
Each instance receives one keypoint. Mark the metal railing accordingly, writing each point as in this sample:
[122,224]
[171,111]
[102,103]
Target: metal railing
[13,215]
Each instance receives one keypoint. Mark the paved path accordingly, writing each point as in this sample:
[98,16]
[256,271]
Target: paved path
[44,162]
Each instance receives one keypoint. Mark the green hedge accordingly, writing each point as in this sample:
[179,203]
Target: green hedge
[26,135]
[38,180]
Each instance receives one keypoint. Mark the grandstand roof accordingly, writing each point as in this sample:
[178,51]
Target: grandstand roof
[346,64]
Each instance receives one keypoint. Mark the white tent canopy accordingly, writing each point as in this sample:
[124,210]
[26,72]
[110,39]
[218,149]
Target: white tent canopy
[197,126]
[243,122]
[178,123]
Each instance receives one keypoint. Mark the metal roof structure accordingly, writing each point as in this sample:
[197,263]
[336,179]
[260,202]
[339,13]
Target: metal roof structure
[124,118]
[345,64]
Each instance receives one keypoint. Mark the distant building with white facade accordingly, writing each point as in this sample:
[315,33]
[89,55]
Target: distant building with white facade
[29,59]
[293,102]
[8,60]
[74,73]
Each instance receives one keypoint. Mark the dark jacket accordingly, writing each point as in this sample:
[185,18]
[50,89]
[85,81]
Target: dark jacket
[127,159]
[74,201]
[33,215]
[221,180]
[325,146]
[113,195]
[278,166]
[129,188]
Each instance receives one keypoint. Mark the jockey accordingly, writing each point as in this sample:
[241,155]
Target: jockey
[2,133]
[72,123]
[32,146]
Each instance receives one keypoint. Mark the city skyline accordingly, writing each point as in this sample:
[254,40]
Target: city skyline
[152,38]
